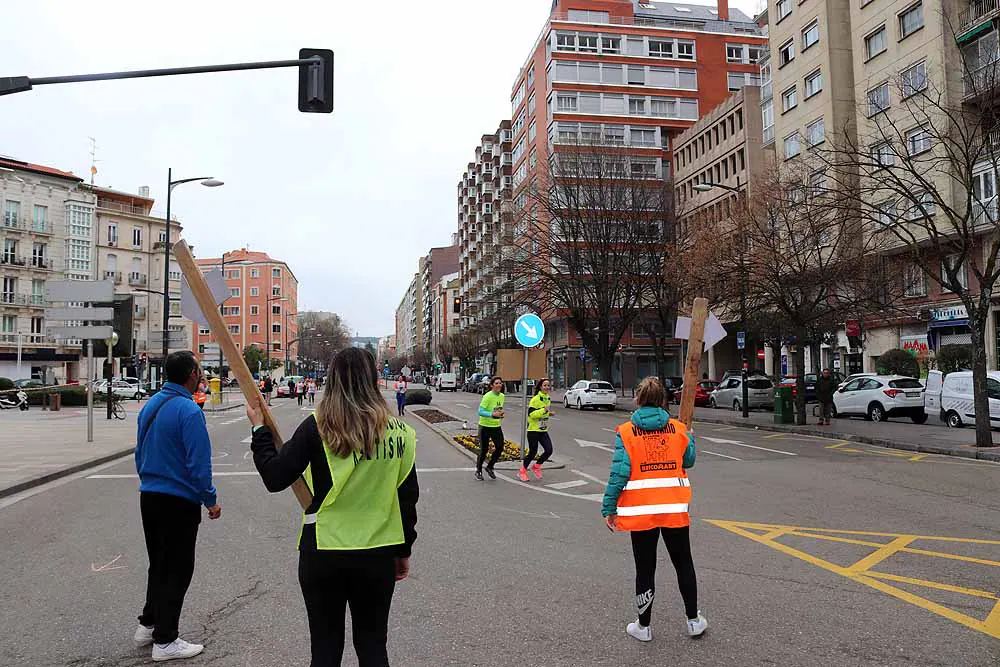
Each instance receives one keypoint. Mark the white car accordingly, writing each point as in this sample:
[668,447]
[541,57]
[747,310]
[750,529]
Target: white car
[855,376]
[879,397]
[119,388]
[591,394]
[447,382]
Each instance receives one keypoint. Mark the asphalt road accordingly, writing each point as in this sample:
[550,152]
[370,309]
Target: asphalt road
[809,552]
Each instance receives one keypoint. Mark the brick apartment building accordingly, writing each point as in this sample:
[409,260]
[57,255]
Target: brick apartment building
[263,300]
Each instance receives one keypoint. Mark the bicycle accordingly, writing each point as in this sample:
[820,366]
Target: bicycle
[117,406]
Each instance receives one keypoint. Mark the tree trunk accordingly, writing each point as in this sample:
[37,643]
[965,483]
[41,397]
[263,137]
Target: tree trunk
[977,324]
[800,379]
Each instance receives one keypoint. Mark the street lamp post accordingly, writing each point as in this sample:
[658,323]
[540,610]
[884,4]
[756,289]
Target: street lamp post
[706,187]
[209,182]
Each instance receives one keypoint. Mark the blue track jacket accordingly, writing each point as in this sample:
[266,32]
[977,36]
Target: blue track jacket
[649,419]
[176,456]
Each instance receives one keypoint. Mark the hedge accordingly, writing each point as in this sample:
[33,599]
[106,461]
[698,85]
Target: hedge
[898,362]
[6,383]
[418,397]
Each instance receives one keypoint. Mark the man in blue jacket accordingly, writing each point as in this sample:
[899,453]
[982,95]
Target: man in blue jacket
[173,457]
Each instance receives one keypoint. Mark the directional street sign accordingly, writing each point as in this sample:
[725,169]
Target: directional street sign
[79,314]
[583,354]
[741,340]
[79,291]
[96,332]
[189,306]
[714,331]
[529,330]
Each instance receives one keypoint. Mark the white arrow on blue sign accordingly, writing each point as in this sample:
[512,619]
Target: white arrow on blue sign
[529,330]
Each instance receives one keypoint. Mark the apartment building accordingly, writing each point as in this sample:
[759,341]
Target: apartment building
[262,307]
[438,263]
[445,308]
[47,230]
[386,350]
[131,249]
[632,75]
[409,336]
[485,227]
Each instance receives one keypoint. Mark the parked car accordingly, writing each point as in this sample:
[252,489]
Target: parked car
[29,383]
[591,394]
[703,391]
[880,397]
[791,381]
[119,388]
[951,397]
[736,372]
[760,393]
[284,389]
[855,376]
[447,382]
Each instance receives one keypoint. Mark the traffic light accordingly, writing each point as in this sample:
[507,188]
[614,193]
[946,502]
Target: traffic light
[316,81]
[457,308]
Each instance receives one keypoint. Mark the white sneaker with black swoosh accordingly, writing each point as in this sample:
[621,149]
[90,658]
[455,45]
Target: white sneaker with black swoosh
[697,626]
[643,634]
[176,650]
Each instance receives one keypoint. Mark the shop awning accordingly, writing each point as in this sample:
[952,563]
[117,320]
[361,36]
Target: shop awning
[975,32]
[947,323]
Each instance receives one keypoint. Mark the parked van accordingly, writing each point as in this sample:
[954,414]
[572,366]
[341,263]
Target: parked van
[447,382]
[952,400]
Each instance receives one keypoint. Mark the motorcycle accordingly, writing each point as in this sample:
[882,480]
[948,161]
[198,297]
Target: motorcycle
[8,403]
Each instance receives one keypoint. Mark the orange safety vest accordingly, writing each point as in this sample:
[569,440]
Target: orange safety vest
[658,491]
[200,397]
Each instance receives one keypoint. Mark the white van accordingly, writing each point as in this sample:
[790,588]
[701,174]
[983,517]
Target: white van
[952,399]
[447,382]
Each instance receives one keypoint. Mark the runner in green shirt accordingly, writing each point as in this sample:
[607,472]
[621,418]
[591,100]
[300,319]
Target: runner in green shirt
[491,412]
[539,412]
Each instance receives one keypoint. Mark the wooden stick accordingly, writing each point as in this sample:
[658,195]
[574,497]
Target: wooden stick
[206,301]
[696,341]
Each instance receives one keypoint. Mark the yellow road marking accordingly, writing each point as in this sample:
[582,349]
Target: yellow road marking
[860,570]
[775,435]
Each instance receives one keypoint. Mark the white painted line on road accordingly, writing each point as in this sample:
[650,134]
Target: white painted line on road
[567,485]
[226,473]
[232,421]
[24,495]
[246,455]
[247,440]
[725,456]
[737,443]
[598,445]
[422,470]
[609,430]
[594,497]
[590,477]
[463,405]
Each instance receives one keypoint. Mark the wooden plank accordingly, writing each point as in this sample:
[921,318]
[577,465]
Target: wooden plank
[692,369]
[206,301]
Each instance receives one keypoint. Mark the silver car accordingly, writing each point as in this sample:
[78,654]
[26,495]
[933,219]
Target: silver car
[760,393]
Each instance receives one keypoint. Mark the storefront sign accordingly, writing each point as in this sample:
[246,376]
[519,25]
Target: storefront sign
[853,328]
[949,313]
[915,345]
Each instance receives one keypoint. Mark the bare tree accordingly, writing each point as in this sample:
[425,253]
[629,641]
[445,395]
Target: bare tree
[465,346]
[321,335]
[922,175]
[590,240]
[445,353]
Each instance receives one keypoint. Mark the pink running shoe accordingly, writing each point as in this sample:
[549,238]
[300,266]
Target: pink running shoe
[522,474]
[537,469]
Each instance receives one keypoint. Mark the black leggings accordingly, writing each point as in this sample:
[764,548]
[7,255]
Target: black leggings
[333,580]
[679,547]
[536,438]
[489,434]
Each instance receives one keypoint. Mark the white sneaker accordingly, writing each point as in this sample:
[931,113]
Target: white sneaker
[143,635]
[643,634]
[176,650]
[697,626]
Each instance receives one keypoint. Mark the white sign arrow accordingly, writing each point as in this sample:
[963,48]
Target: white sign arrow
[599,445]
[737,443]
[531,331]
[714,331]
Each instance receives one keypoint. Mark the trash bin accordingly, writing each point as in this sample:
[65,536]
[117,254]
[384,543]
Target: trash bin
[784,410]
[215,385]
[55,402]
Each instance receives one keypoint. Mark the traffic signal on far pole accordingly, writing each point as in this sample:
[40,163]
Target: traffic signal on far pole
[458,305]
[316,81]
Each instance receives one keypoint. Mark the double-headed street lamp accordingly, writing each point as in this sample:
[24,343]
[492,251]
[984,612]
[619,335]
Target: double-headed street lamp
[708,187]
[208,182]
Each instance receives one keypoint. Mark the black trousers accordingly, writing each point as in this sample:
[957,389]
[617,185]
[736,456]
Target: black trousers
[330,582]
[488,434]
[536,438]
[644,550]
[170,524]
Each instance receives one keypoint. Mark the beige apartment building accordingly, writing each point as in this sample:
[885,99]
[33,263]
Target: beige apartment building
[445,306]
[409,320]
[438,263]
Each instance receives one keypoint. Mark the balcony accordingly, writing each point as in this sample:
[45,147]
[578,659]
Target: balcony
[978,11]
[114,276]
[137,279]
[12,223]
[160,245]
[23,339]
[140,313]
[41,227]
[36,301]
[43,263]
[12,260]
[12,299]
[981,81]
[121,207]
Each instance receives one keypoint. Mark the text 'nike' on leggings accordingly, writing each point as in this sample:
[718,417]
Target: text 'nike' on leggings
[644,550]
[488,434]
[536,438]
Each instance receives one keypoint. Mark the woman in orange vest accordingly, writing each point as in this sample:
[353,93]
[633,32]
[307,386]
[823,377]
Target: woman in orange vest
[648,494]
[201,395]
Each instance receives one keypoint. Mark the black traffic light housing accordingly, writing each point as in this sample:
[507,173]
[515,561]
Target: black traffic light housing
[316,81]
[122,323]
[457,307]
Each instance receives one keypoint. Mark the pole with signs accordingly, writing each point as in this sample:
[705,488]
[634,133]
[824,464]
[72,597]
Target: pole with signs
[699,314]
[529,330]
[111,342]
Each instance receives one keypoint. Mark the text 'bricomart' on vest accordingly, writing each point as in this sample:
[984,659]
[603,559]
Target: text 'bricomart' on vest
[392,446]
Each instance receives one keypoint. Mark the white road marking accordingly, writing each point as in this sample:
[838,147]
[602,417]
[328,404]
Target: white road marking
[232,421]
[609,430]
[423,470]
[567,485]
[221,455]
[550,515]
[737,443]
[598,445]
[234,473]
[24,495]
[594,497]
[107,566]
[247,440]
[590,477]
[463,405]
[725,456]
[247,455]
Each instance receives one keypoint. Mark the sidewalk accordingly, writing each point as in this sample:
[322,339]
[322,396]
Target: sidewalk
[231,400]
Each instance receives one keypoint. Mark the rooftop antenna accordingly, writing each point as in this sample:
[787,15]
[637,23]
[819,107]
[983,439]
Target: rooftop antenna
[93,160]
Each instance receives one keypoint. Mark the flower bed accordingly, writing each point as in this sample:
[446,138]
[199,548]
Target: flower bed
[511,450]
[435,416]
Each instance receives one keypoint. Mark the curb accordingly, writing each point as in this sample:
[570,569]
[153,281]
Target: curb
[501,465]
[959,451]
[227,408]
[65,472]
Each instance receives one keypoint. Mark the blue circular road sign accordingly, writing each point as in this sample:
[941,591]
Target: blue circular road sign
[529,330]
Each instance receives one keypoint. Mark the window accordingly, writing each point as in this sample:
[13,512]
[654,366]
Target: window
[914,79]
[234,292]
[38,255]
[637,106]
[11,213]
[885,213]
[875,43]
[955,262]
[878,99]
[532,131]
[565,41]
[810,35]
[230,310]
[737,80]
[813,83]
[39,218]
[276,309]
[586,43]
[636,75]
[882,154]
[788,100]
[792,146]
[275,328]
[661,49]
[642,137]
[923,207]
[275,291]
[918,141]
[254,328]
[137,237]
[608,45]
[566,103]
[276,347]
[204,331]
[234,274]
[276,273]
[911,20]
[736,53]
[588,16]
[112,234]
[254,291]
[815,132]
[255,273]
[255,310]
[784,8]
[786,53]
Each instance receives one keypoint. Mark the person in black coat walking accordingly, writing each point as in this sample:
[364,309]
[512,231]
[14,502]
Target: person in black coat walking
[825,386]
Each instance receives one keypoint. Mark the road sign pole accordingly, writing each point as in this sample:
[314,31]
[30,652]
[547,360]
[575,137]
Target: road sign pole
[524,425]
[90,391]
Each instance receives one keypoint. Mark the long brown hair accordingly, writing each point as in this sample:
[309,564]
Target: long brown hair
[352,415]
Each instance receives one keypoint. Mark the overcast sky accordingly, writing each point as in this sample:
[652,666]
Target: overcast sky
[351,199]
